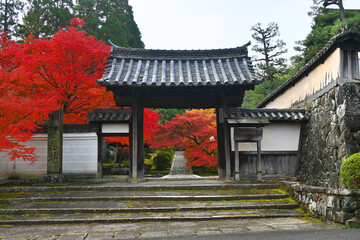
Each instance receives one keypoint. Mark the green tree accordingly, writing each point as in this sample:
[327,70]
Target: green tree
[327,23]
[253,97]
[110,20]
[270,49]
[270,65]
[9,14]
[169,113]
[45,17]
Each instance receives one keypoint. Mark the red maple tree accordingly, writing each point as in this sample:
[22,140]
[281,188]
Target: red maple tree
[41,75]
[21,110]
[195,132]
[66,67]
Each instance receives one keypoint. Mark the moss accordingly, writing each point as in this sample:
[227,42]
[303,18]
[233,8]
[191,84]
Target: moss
[11,195]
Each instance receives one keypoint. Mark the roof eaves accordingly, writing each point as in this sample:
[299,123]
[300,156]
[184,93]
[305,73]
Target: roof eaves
[315,61]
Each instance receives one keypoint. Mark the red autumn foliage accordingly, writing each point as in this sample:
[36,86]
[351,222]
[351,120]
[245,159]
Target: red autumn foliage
[20,109]
[42,75]
[195,132]
[66,67]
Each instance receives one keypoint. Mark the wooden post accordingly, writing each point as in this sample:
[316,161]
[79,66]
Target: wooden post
[100,144]
[237,161]
[137,140]
[226,129]
[220,145]
[259,164]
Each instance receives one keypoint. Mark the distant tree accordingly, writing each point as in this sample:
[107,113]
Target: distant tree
[270,65]
[327,24]
[253,97]
[45,17]
[110,20]
[169,113]
[195,132]
[326,3]
[270,50]
[9,15]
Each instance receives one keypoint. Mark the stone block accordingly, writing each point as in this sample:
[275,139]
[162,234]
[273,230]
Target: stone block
[357,213]
[352,223]
[342,217]
[346,204]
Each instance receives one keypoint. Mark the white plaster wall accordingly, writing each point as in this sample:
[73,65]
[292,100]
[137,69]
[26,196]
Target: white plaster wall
[319,77]
[115,128]
[24,169]
[276,137]
[80,153]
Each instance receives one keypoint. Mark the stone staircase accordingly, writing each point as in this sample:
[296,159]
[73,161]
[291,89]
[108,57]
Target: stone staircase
[156,201]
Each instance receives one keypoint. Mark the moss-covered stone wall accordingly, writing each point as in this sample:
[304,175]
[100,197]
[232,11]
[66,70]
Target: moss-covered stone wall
[331,135]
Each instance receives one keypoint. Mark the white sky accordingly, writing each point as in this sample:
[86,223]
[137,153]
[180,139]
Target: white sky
[209,24]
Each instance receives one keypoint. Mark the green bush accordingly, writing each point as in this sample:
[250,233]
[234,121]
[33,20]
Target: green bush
[350,172]
[163,159]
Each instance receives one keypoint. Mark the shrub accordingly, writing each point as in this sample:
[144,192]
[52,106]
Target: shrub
[163,159]
[350,172]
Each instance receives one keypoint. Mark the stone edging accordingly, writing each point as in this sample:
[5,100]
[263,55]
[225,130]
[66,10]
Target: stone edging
[338,205]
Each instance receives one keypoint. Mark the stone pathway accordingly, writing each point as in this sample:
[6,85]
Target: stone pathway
[157,230]
[178,166]
[178,169]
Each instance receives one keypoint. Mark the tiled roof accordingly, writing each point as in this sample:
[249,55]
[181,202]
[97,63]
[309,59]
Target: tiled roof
[292,115]
[144,67]
[316,60]
[109,115]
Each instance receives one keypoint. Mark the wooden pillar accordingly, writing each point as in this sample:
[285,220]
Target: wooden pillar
[221,145]
[226,135]
[137,140]
[100,144]
[259,164]
[237,162]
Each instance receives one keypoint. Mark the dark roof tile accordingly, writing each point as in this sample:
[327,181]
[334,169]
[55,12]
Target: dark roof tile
[144,67]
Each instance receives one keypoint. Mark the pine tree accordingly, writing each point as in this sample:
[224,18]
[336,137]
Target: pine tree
[270,63]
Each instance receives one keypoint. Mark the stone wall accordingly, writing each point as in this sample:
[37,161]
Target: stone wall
[338,205]
[331,135]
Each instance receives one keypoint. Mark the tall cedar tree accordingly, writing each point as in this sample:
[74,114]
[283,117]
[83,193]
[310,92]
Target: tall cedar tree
[21,108]
[195,132]
[9,14]
[270,63]
[110,20]
[45,17]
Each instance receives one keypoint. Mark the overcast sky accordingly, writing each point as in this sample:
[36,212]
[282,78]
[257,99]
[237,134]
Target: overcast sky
[209,24]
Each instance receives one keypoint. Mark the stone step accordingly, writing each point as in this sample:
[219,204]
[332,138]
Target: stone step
[134,193]
[98,217]
[171,185]
[144,198]
[101,207]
